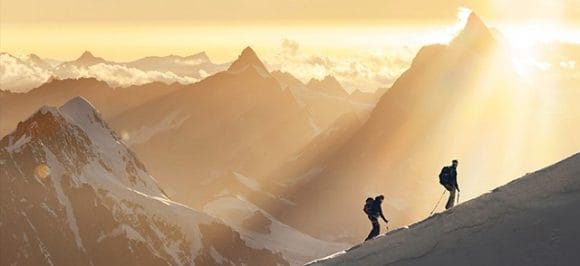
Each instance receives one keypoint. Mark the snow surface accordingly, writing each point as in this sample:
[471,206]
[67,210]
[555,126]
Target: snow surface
[56,174]
[111,150]
[124,230]
[248,182]
[15,146]
[217,257]
[105,170]
[296,246]
[533,220]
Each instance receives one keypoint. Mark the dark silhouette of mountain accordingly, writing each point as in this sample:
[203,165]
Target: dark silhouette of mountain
[325,100]
[368,97]
[198,65]
[16,107]
[329,85]
[85,60]
[248,58]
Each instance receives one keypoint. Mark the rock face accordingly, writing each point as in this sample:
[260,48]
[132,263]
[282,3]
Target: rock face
[72,193]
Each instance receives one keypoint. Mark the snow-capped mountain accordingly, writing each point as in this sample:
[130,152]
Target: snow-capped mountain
[73,193]
[531,221]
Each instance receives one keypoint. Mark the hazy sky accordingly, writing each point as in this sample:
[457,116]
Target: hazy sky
[43,11]
[374,39]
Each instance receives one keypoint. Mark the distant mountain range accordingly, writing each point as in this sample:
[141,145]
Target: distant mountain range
[170,129]
[23,74]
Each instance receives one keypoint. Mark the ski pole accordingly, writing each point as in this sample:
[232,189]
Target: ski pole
[458,194]
[437,203]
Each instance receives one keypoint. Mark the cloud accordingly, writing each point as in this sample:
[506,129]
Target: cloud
[366,70]
[18,76]
[290,46]
[122,76]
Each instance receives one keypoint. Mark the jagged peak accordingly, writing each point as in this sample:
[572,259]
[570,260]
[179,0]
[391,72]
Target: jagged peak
[247,58]
[329,81]
[475,34]
[86,55]
[328,85]
[87,58]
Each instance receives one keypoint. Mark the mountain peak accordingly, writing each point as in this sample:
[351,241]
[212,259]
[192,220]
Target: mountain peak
[201,56]
[77,105]
[36,60]
[86,56]
[247,58]
[34,57]
[328,85]
[475,35]
[475,24]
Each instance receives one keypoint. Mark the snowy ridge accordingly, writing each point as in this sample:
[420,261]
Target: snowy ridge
[93,200]
[267,231]
[80,112]
[530,221]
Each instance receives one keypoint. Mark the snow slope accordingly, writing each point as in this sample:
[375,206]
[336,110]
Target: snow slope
[73,194]
[262,230]
[533,220]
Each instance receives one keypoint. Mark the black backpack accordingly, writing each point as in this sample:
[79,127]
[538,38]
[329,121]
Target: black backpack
[369,207]
[445,176]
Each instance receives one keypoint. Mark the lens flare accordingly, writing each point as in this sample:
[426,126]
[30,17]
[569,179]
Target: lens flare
[42,171]
[125,136]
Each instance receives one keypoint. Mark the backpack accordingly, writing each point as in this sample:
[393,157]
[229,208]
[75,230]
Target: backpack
[445,176]
[369,207]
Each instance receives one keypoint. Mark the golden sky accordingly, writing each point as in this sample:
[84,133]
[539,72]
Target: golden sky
[42,11]
[125,30]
